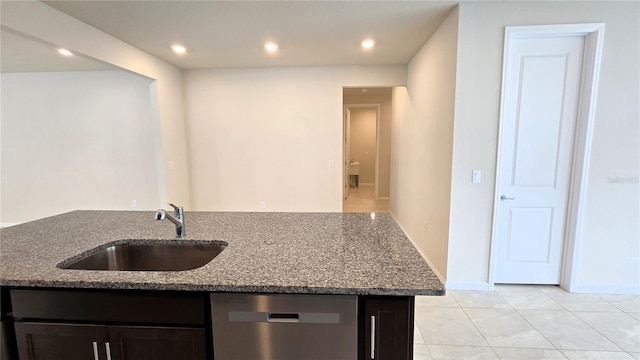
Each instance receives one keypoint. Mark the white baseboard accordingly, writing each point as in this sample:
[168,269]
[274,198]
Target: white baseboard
[463,285]
[4,225]
[605,289]
[433,268]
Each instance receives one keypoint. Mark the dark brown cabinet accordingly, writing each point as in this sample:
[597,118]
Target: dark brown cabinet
[54,341]
[388,327]
[68,324]
[108,325]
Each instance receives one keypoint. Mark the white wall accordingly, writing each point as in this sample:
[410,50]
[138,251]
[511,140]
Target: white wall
[421,144]
[609,255]
[384,135]
[76,140]
[268,135]
[36,19]
[363,142]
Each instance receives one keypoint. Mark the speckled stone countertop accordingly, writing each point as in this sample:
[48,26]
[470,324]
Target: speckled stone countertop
[317,253]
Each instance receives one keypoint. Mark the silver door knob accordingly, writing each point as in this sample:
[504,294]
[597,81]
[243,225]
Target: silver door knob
[504,197]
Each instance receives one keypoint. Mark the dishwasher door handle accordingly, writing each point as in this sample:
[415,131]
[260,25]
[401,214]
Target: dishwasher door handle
[283,317]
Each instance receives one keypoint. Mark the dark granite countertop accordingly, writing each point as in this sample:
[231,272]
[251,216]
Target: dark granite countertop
[316,253]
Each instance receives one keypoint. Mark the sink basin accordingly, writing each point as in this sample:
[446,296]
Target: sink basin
[173,256]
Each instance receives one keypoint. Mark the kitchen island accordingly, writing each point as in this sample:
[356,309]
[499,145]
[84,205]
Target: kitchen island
[343,254]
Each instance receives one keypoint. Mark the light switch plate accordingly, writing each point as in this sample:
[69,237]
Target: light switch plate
[476,176]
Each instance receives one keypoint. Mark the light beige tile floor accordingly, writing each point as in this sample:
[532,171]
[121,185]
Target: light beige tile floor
[362,199]
[517,322]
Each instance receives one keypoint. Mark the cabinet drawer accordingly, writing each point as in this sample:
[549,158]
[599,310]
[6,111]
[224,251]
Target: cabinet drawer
[132,307]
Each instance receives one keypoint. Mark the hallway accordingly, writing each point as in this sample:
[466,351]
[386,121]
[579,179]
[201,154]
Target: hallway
[363,200]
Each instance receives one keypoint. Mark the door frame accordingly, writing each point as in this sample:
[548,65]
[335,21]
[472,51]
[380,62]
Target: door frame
[377,160]
[593,34]
[346,133]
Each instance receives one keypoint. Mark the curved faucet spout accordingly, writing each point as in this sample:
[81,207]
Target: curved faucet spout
[177,219]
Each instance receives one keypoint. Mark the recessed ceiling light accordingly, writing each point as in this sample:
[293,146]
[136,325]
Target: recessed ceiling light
[179,49]
[271,47]
[368,44]
[65,52]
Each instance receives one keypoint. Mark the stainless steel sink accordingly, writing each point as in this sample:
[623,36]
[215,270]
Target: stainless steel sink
[148,257]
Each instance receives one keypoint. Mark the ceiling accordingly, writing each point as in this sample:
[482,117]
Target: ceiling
[22,54]
[232,33]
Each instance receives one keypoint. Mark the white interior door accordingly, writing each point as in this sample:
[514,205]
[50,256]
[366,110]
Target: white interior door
[347,153]
[540,103]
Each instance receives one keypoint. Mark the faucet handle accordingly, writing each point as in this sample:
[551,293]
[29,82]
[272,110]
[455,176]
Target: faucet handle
[177,210]
[161,214]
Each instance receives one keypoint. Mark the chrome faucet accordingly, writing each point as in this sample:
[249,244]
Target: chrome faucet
[177,219]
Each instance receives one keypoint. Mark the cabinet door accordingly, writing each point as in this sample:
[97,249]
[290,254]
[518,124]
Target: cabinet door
[388,328]
[45,341]
[4,340]
[156,343]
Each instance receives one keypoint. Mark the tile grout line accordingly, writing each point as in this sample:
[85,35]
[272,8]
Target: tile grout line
[472,323]
[576,316]
[602,312]
[555,301]
[467,346]
[423,340]
[540,332]
[428,349]
[597,331]
[533,326]
[530,324]
[476,327]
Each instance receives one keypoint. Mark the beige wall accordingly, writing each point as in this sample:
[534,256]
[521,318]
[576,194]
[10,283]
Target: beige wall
[254,132]
[76,140]
[609,253]
[268,135]
[363,142]
[421,145]
[40,21]
[384,134]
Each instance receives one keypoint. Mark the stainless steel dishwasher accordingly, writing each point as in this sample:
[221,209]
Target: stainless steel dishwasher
[283,327]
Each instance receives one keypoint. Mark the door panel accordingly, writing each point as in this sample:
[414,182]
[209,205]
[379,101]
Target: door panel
[539,120]
[529,235]
[156,343]
[44,341]
[540,108]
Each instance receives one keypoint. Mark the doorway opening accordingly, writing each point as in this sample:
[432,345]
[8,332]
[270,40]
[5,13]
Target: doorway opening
[366,149]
